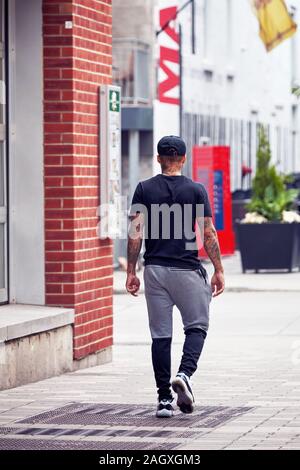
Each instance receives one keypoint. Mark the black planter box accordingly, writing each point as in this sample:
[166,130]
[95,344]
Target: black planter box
[238,213]
[271,245]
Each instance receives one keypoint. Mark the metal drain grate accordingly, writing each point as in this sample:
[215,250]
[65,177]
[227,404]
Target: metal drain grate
[88,432]
[134,415]
[49,430]
[33,444]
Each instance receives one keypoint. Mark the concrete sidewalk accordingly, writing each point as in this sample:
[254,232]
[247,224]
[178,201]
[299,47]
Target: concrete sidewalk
[247,386]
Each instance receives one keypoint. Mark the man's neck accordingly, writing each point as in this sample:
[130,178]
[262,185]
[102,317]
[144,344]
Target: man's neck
[171,173]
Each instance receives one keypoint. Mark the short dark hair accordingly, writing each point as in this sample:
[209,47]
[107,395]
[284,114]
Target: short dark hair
[167,161]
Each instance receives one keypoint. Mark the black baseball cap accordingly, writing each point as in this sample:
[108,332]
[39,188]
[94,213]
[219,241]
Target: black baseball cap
[171,145]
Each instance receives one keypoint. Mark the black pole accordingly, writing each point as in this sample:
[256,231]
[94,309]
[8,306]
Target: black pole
[193,28]
[174,16]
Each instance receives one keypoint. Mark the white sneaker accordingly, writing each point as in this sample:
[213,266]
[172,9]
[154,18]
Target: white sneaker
[165,408]
[185,398]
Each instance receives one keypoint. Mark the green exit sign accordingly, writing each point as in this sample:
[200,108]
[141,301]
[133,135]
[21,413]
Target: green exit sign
[114,101]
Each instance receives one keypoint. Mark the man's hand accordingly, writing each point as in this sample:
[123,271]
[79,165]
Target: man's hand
[217,283]
[132,284]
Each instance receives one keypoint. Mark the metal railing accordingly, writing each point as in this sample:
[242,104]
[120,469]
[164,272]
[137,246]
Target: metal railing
[242,137]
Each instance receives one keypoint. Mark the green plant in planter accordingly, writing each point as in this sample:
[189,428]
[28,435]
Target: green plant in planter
[296,90]
[270,198]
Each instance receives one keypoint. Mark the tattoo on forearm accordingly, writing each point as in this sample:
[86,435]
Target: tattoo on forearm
[207,222]
[135,239]
[212,248]
[133,250]
[211,244]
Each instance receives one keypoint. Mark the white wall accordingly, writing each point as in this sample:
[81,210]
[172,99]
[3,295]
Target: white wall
[26,208]
[261,81]
[230,44]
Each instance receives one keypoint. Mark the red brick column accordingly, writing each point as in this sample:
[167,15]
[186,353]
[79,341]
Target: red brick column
[78,265]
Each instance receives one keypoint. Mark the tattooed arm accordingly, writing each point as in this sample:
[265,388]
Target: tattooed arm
[212,248]
[211,243]
[135,239]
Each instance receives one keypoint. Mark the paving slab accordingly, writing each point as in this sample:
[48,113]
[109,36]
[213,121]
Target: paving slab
[251,360]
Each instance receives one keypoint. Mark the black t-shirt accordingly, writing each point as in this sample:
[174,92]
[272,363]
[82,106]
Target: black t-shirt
[170,205]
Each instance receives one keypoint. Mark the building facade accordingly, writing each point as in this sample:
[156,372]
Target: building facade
[55,273]
[134,71]
[229,83]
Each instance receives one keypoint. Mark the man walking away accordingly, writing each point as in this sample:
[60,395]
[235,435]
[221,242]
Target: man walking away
[166,208]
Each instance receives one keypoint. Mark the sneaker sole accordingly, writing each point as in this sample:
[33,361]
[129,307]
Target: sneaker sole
[164,414]
[185,400]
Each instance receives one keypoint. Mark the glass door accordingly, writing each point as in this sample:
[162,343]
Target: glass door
[3,169]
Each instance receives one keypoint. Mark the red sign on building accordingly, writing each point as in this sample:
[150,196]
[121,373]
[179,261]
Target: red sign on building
[168,56]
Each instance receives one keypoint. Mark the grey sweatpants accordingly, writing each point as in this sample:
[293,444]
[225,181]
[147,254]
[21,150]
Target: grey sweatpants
[189,290]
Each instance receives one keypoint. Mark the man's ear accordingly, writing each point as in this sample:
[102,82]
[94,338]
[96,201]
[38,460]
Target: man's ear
[158,159]
[184,160]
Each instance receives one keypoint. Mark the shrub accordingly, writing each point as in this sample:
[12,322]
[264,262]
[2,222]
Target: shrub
[270,197]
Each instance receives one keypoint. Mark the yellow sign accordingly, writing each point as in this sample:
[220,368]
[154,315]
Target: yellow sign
[275,23]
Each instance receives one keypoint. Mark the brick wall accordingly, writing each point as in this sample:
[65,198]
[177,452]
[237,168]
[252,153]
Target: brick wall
[78,264]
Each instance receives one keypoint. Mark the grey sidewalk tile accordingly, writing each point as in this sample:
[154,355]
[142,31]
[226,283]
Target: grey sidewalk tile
[289,447]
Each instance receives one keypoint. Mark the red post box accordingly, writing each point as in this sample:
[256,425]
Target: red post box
[211,167]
